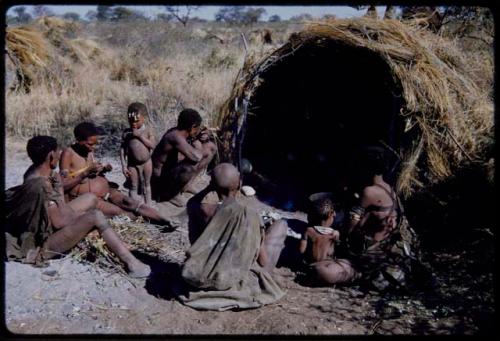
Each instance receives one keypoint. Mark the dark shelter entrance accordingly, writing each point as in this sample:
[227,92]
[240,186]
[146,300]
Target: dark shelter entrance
[313,109]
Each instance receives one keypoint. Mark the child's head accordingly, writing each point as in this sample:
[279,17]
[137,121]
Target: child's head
[321,212]
[136,113]
[40,148]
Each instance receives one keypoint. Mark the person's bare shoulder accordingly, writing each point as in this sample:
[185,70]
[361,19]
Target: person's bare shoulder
[67,153]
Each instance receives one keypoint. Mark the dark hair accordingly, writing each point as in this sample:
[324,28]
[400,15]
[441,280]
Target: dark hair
[373,160]
[39,147]
[319,210]
[188,118]
[137,107]
[86,129]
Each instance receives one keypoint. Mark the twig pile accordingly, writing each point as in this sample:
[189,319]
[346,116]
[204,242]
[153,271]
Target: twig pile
[137,235]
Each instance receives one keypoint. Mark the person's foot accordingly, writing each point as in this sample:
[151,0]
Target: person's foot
[139,270]
[179,200]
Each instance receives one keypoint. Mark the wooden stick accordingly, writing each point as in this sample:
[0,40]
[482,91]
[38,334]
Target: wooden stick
[75,173]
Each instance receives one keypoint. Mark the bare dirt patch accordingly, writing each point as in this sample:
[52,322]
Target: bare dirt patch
[74,298]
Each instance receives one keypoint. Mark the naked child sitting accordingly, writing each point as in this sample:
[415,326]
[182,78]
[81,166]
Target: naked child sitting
[318,241]
[318,246]
[138,142]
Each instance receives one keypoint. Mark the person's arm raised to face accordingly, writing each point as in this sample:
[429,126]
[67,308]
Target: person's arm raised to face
[147,138]
[191,153]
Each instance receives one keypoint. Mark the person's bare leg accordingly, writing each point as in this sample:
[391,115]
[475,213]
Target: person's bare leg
[274,242]
[335,271]
[68,236]
[138,208]
[209,150]
[148,171]
[134,182]
[84,203]
[110,209]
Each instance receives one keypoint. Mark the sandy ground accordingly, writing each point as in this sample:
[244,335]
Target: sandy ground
[74,298]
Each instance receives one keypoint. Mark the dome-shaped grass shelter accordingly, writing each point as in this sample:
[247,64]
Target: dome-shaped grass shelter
[300,112]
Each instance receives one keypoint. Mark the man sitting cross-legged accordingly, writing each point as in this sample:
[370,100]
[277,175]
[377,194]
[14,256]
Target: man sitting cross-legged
[81,173]
[230,261]
[41,225]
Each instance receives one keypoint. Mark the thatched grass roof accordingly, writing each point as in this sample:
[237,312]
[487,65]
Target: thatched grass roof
[454,114]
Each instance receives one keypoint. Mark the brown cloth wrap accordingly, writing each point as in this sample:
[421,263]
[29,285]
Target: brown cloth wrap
[27,221]
[223,263]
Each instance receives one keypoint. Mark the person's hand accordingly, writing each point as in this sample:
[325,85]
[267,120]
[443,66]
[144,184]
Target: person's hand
[126,172]
[94,168]
[197,144]
[336,235]
[56,181]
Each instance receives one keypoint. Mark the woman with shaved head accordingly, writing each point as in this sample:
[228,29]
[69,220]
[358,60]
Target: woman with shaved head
[230,261]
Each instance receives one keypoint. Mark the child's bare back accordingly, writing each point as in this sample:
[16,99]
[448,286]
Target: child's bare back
[322,246]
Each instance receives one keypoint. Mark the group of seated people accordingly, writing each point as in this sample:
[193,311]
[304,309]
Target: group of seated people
[233,253]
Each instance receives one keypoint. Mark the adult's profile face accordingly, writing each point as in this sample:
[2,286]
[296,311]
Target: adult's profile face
[90,143]
[195,130]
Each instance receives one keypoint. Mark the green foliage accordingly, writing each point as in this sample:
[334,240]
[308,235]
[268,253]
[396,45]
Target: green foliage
[91,15]
[71,16]
[103,13]
[22,16]
[122,13]
[274,18]
[239,15]
[302,17]
[181,13]
[41,11]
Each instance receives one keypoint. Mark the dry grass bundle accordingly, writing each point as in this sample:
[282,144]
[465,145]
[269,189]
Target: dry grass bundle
[55,23]
[453,113]
[27,51]
[137,235]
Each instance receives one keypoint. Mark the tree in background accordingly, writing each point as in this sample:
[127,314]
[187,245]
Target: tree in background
[274,18]
[181,13]
[103,13]
[302,17]
[328,17]
[121,13]
[239,14]
[22,16]
[164,17]
[91,15]
[471,22]
[71,16]
[41,11]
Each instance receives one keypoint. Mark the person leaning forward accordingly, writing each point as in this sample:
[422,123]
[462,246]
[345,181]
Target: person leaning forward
[81,173]
[179,157]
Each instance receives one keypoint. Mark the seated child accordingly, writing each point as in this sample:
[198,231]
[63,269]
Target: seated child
[318,241]
[135,154]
